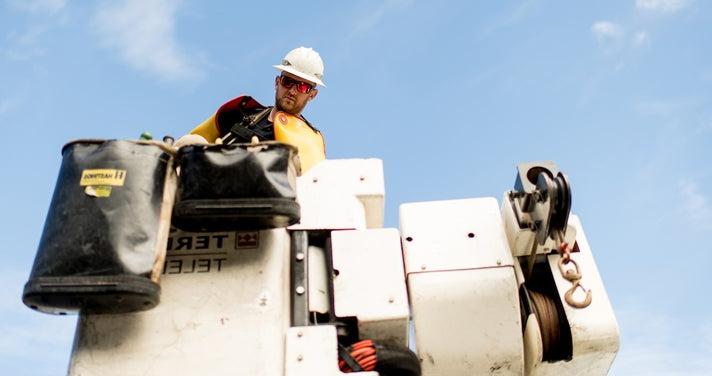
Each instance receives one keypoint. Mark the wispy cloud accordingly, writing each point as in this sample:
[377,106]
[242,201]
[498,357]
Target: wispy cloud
[696,205]
[39,6]
[605,31]
[661,6]
[366,22]
[513,17]
[652,345]
[143,34]
[613,37]
[27,45]
[706,75]
[8,105]
[667,107]
[641,39]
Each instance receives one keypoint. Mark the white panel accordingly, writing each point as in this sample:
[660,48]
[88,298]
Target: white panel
[453,234]
[312,351]
[329,210]
[467,322]
[371,283]
[362,178]
[594,330]
[224,306]
[318,280]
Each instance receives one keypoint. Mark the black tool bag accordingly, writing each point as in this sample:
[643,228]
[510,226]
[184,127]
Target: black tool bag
[237,186]
[104,241]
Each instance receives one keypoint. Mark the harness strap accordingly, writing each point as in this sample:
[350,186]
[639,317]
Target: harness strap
[244,130]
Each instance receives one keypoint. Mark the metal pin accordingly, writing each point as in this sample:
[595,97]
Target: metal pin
[300,256]
[300,290]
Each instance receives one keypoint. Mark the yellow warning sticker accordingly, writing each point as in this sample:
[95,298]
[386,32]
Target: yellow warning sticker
[98,191]
[103,177]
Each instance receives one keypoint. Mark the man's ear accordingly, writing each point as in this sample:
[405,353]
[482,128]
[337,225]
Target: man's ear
[313,93]
[276,82]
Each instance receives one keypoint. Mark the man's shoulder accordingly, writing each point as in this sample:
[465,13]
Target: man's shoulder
[307,122]
[236,111]
[242,103]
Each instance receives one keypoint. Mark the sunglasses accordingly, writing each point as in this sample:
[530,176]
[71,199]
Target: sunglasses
[288,82]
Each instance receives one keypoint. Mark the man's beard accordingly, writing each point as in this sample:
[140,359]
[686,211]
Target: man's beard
[292,108]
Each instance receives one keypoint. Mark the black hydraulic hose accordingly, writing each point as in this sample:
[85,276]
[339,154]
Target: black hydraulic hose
[396,361]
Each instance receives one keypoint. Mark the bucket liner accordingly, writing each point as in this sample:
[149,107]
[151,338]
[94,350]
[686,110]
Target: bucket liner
[104,241]
[237,186]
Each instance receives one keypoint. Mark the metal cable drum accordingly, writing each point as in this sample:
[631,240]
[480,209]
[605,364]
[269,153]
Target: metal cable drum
[548,318]
[556,342]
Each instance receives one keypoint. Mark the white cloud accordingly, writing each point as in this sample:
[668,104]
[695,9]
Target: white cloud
[661,6]
[26,45]
[655,344]
[29,44]
[39,6]
[143,34]
[704,127]
[606,30]
[696,206]
[366,22]
[706,75]
[669,108]
[8,105]
[640,39]
[520,12]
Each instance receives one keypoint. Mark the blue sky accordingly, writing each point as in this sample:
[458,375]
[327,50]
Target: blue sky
[451,95]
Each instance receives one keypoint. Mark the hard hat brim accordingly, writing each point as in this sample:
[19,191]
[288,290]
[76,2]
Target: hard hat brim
[299,74]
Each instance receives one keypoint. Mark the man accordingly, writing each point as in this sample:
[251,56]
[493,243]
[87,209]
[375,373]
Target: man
[243,118]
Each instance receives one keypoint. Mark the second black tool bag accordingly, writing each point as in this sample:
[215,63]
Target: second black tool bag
[237,186]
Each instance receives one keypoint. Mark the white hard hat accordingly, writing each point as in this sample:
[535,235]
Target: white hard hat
[305,63]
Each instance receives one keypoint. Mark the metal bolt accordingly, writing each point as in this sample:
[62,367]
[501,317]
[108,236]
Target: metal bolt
[300,334]
[315,180]
[391,300]
[300,358]
[300,256]
[300,290]
[499,262]
[422,267]
[362,178]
